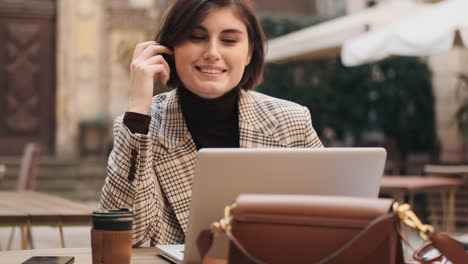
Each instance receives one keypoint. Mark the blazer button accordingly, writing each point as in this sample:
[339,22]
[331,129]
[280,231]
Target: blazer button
[131,174]
[132,170]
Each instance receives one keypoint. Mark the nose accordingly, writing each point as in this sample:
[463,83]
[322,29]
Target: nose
[212,52]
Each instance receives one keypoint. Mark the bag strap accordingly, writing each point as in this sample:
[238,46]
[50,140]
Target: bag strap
[364,242]
[204,242]
[449,247]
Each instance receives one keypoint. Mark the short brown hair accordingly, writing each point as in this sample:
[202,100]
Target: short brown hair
[184,15]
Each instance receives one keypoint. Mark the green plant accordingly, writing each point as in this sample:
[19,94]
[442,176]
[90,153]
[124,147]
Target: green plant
[100,121]
[125,54]
[393,97]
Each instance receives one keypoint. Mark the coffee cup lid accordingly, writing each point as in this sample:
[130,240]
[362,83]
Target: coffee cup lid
[113,213]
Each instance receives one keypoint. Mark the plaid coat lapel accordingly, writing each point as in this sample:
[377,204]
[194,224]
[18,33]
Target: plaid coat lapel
[257,126]
[175,159]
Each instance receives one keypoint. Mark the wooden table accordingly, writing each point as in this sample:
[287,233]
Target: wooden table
[82,255]
[444,170]
[459,171]
[27,208]
[401,186]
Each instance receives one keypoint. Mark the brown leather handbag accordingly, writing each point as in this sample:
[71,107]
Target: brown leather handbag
[319,229]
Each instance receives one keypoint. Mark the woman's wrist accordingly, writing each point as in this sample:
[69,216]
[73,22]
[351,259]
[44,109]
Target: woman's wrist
[138,108]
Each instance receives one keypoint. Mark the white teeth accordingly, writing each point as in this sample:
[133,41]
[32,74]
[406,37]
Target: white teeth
[209,71]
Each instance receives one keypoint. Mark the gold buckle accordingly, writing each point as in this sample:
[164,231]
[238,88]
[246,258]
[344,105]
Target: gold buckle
[411,219]
[225,223]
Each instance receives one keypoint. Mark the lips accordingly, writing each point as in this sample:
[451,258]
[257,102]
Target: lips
[210,69]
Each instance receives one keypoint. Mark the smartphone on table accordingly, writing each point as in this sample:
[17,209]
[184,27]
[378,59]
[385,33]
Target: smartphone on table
[50,260]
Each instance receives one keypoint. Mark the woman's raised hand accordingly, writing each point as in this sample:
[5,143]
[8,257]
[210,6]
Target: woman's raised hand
[147,65]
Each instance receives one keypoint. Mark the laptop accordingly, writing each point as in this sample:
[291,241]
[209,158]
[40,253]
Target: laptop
[222,174]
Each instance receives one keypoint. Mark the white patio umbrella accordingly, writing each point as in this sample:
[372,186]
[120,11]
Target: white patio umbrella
[326,39]
[436,28]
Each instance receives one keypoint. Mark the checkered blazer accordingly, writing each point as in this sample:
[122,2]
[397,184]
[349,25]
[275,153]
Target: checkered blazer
[153,173]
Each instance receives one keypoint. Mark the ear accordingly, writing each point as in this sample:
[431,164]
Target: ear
[249,57]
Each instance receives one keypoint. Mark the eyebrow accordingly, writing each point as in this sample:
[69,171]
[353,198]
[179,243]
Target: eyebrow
[226,31]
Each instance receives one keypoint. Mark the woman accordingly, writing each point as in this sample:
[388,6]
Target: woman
[212,52]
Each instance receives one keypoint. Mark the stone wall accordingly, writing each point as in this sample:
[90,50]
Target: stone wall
[446,66]
[91,82]
[80,94]
[125,27]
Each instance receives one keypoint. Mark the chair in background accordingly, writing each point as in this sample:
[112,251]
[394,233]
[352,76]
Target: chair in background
[28,168]
[27,181]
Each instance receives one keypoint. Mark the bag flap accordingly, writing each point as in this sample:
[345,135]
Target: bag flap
[309,210]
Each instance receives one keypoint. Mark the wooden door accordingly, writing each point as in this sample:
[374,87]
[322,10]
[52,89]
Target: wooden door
[27,74]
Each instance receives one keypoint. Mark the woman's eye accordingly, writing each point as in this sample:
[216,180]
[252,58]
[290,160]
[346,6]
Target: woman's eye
[230,41]
[197,37]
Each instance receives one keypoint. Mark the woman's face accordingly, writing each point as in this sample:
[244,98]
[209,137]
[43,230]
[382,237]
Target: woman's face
[212,60]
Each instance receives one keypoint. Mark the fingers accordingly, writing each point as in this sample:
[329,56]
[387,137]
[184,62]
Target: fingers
[159,59]
[158,69]
[148,61]
[140,47]
[152,50]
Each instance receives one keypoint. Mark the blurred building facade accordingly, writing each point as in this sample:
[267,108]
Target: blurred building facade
[61,66]
[27,74]
[64,63]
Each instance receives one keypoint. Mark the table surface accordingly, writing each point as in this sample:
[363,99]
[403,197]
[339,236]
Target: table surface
[445,169]
[16,207]
[415,183]
[145,255]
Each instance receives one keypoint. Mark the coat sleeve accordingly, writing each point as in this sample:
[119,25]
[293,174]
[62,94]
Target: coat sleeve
[311,138]
[132,182]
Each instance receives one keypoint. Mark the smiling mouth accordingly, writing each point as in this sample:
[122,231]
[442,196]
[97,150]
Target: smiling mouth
[210,71]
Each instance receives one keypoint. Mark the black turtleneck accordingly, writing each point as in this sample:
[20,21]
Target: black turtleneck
[213,123]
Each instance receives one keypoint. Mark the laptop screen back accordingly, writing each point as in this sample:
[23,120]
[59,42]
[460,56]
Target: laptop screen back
[222,174]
